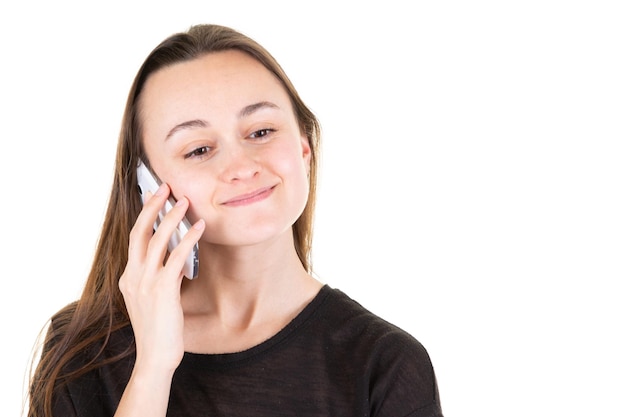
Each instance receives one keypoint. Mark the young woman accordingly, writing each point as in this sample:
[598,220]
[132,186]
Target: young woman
[217,120]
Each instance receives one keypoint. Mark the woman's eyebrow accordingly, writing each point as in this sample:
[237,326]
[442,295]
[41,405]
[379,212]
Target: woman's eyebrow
[186,125]
[248,110]
[199,123]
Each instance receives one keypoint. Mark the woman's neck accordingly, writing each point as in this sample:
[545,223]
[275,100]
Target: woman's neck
[243,296]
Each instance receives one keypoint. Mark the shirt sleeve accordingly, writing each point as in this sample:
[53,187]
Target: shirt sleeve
[402,379]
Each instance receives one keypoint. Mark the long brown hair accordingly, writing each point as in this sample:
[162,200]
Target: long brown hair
[100,310]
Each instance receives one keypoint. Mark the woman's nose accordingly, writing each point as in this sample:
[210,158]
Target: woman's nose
[240,164]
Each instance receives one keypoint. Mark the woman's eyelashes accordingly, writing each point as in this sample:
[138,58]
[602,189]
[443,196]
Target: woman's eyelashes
[205,151]
[261,133]
[199,152]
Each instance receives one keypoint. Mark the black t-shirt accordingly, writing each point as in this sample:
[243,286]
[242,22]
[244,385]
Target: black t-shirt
[334,359]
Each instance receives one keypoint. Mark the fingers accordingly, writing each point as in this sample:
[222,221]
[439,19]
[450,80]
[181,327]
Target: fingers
[178,257]
[158,245]
[143,229]
[148,247]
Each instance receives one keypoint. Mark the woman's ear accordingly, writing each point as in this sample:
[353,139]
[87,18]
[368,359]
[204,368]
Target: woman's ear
[306,151]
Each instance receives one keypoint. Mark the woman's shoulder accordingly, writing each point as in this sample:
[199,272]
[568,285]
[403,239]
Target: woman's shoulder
[58,324]
[70,330]
[397,365]
[348,322]
[350,312]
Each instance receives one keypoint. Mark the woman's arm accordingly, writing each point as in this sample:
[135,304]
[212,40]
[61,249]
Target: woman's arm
[151,292]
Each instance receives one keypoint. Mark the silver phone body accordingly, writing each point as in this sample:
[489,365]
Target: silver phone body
[147,181]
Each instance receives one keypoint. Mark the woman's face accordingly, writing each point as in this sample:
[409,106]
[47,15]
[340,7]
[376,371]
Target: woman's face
[221,131]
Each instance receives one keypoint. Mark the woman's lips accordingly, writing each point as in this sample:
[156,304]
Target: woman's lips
[249,198]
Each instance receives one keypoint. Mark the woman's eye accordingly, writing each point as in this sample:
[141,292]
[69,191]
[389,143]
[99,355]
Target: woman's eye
[201,151]
[261,133]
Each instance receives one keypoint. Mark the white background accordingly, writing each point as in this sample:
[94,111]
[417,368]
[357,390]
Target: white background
[473,175]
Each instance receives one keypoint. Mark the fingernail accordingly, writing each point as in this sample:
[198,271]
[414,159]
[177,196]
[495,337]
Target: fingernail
[180,202]
[160,190]
[199,224]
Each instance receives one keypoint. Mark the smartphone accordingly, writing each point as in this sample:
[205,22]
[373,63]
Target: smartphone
[148,181]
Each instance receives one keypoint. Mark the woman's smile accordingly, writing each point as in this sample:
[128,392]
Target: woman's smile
[250,198]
